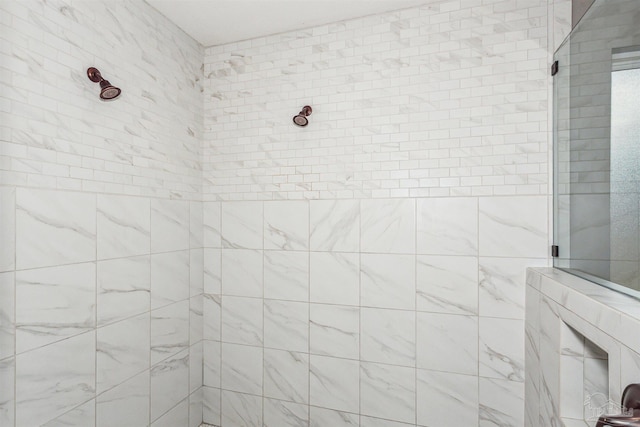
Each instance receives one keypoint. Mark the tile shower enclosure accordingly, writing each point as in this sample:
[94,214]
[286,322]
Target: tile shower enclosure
[185,254]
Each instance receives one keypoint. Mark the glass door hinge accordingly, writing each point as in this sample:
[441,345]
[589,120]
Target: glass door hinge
[555,251]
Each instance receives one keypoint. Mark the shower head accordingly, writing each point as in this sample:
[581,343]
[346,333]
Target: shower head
[108,91]
[301,119]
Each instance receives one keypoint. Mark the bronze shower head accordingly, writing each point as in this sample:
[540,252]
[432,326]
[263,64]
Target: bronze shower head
[301,119]
[108,91]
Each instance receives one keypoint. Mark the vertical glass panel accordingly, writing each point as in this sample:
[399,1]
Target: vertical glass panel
[597,147]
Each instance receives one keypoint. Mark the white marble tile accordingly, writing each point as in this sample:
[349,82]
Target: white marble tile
[388,336]
[240,410]
[388,281]
[196,319]
[169,278]
[242,320]
[286,325]
[334,383]
[629,366]
[447,284]
[46,218]
[125,404]
[444,396]
[54,303]
[380,422]
[196,271]
[335,225]
[211,225]
[286,275]
[443,335]
[242,225]
[514,226]
[169,384]
[196,367]
[285,414]
[176,416]
[388,392]
[242,272]
[124,226]
[388,226]
[212,357]
[122,351]
[83,415]
[286,375]
[54,379]
[196,404]
[196,224]
[7,315]
[212,406]
[501,349]
[286,225]
[334,278]
[212,317]
[7,397]
[169,331]
[124,288]
[241,368]
[448,226]
[7,228]
[334,331]
[212,271]
[320,417]
[169,225]
[502,286]
[501,403]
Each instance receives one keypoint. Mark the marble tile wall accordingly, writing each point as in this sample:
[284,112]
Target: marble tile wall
[307,318]
[582,349]
[450,99]
[101,273]
[370,267]
[337,312]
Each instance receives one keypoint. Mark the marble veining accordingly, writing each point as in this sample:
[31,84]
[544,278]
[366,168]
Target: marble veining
[286,325]
[286,375]
[124,287]
[123,226]
[446,284]
[239,409]
[388,392]
[169,278]
[388,336]
[169,383]
[286,275]
[335,225]
[169,225]
[285,414]
[54,379]
[286,225]
[169,331]
[334,330]
[242,320]
[7,315]
[45,218]
[122,351]
[53,304]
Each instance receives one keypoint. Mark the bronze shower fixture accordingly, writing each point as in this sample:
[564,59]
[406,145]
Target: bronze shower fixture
[301,119]
[108,91]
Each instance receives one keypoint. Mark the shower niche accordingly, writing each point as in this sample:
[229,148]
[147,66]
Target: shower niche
[597,147]
[584,379]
